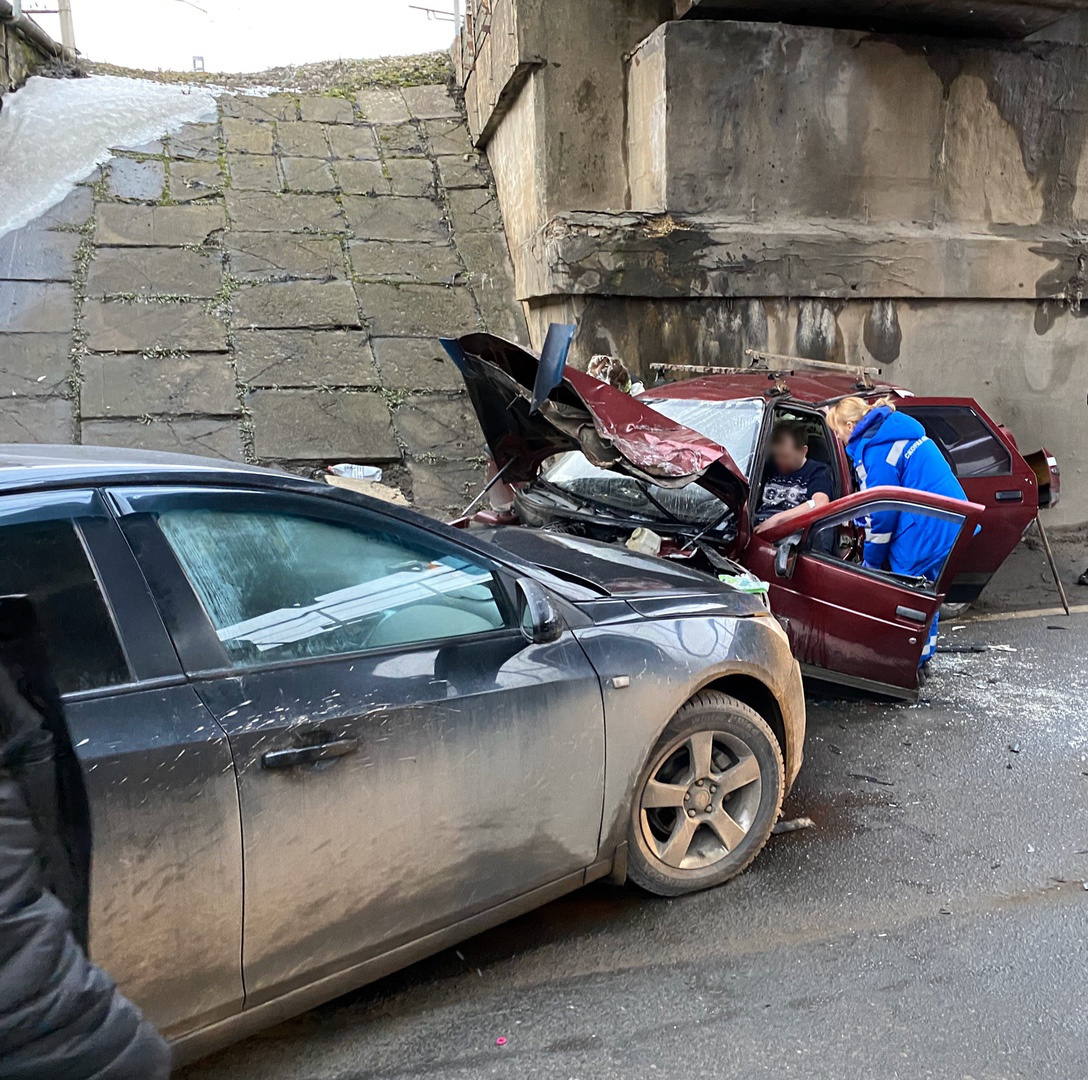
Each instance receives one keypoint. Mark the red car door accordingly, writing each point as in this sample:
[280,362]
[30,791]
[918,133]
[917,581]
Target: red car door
[849,624]
[993,473]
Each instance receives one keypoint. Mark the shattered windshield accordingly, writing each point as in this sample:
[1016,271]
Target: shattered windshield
[732,424]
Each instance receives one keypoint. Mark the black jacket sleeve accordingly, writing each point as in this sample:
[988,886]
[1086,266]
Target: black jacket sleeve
[61,1017]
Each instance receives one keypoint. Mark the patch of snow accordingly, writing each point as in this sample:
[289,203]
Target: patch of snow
[53,132]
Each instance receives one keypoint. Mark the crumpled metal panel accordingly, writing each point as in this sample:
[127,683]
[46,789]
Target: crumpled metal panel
[613,429]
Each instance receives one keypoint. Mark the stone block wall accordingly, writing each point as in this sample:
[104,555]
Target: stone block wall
[268,286]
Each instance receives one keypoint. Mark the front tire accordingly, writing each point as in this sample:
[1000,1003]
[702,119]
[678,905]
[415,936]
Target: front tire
[707,800]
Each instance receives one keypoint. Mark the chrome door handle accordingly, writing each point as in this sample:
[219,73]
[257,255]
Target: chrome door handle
[910,613]
[308,755]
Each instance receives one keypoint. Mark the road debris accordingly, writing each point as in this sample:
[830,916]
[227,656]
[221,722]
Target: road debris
[745,583]
[374,488]
[357,472]
[1014,747]
[872,779]
[975,647]
[793,825]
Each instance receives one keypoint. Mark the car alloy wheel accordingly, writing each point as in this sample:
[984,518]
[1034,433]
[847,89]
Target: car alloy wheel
[708,798]
[701,799]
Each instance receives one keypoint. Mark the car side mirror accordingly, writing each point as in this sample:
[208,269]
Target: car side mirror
[785,559]
[540,619]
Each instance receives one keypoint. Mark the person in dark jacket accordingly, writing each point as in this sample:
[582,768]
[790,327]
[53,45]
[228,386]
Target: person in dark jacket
[889,448]
[61,1017]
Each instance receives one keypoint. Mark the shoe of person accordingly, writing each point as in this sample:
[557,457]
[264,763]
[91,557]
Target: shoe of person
[1083,579]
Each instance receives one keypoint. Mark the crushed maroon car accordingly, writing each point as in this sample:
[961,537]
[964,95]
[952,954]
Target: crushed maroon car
[585,460]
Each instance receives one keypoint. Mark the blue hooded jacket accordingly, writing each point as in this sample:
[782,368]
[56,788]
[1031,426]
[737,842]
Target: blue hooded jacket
[889,447]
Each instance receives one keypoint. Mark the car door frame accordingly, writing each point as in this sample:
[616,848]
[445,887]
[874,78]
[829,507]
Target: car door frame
[842,475]
[155,673]
[206,660]
[775,553]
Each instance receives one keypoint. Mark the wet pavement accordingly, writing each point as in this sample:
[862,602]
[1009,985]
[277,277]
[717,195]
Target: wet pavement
[932,924]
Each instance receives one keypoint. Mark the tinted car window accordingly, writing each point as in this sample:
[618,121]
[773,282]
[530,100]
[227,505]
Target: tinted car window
[969,444]
[46,561]
[283,587]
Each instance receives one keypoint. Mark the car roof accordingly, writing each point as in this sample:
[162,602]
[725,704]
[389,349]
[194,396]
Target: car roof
[811,388]
[39,467]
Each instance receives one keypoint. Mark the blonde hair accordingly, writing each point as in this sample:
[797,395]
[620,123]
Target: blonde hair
[850,410]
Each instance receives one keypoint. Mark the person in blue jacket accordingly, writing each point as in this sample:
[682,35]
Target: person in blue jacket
[891,448]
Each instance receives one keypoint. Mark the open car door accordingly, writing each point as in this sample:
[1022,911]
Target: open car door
[847,623]
[993,474]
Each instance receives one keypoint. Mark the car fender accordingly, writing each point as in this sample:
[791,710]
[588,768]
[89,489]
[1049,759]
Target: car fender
[649,669]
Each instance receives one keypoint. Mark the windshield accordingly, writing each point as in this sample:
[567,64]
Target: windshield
[732,424]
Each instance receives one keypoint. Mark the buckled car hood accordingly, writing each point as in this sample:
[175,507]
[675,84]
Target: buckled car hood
[611,428]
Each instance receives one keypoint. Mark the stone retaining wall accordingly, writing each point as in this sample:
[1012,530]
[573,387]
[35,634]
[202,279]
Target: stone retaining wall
[268,286]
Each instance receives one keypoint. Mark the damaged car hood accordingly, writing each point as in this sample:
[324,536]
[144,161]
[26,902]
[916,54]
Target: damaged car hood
[611,428]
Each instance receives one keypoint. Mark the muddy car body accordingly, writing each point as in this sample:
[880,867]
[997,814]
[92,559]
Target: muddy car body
[395,733]
[688,450]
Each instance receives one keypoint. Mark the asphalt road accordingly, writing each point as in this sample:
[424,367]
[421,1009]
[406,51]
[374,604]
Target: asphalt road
[932,924]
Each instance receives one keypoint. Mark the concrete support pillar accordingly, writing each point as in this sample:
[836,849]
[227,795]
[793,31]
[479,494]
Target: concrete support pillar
[917,204]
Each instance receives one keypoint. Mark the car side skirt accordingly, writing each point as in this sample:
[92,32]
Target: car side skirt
[216,1036]
[810,671]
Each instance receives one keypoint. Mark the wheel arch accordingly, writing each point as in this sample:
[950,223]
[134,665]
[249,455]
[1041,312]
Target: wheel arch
[757,695]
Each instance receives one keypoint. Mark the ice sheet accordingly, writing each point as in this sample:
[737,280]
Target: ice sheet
[53,132]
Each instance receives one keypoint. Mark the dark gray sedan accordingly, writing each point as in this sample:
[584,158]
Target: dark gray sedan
[324,736]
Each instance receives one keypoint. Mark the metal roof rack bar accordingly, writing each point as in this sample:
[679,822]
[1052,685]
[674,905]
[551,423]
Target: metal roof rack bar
[778,361]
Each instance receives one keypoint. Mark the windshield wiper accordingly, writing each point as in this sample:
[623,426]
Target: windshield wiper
[667,512]
[582,500]
[588,502]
